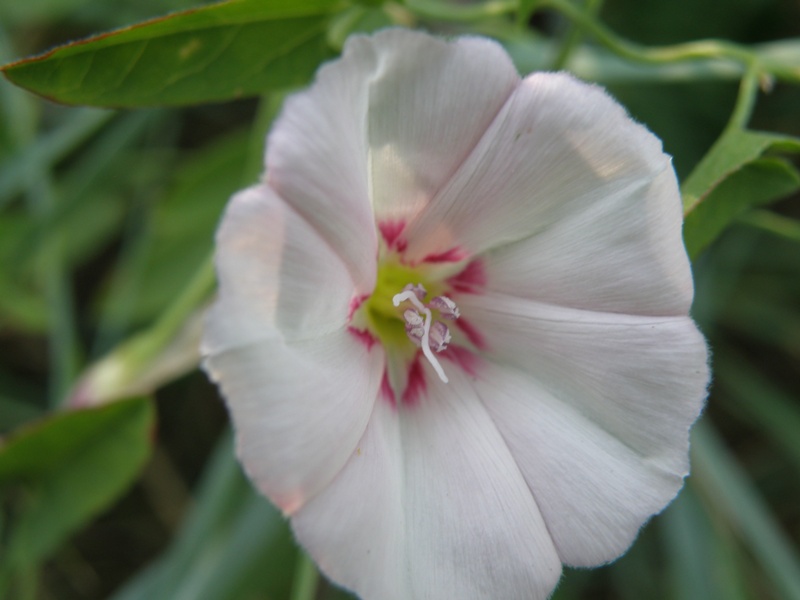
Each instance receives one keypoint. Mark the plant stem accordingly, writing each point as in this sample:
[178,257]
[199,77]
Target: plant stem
[306,577]
[434,9]
[746,99]
[666,54]
[573,37]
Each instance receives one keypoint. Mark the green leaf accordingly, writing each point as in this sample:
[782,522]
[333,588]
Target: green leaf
[60,472]
[219,52]
[757,183]
[733,150]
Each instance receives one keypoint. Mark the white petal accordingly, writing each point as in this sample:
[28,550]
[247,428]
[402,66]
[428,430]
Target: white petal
[431,506]
[317,160]
[641,379]
[299,386]
[298,409]
[388,124]
[277,278]
[430,101]
[558,147]
[594,491]
[622,255]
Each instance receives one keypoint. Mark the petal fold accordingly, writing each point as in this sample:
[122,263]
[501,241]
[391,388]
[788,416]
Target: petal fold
[382,130]
[299,387]
[594,491]
[432,506]
[557,148]
[298,409]
[622,255]
[642,379]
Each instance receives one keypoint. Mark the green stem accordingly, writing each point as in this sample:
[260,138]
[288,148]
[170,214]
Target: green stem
[306,578]
[170,322]
[665,54]
[573,37]
[774,224]
[432,9]
[746,100]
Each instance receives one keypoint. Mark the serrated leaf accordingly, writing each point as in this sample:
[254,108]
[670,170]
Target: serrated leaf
[61,471]
[214,53]
[757,183]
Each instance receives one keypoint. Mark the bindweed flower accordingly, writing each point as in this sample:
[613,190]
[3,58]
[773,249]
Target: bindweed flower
[452,327]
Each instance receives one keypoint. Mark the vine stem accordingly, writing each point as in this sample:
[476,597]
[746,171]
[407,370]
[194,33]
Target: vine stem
[306,578]
[665,54]
[746,99]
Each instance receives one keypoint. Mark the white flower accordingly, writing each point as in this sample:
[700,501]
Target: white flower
[548,224]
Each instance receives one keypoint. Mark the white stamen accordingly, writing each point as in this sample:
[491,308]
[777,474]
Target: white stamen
[426,335]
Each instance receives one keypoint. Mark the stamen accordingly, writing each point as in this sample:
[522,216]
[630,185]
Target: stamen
[418,289]
[415,325]
[446,307]
[411,296]
[440,336]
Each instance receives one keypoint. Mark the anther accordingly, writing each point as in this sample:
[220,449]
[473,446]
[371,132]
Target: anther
[446,307]
[419,291]
[415,325]
[440,336]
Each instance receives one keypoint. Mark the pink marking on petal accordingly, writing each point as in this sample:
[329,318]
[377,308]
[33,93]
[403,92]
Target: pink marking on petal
[463,357]
[355,302]
[391,230]
[387,393]
[473,335]
[290,502]
[454,254]
[471,278]
[416,385]
[363,336]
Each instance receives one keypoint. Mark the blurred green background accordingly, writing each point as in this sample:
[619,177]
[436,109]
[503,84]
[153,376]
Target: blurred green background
[107,215]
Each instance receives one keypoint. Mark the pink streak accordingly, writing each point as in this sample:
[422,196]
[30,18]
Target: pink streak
[391,230]
[462,357]
[470,279]
[354,304]
[363,336]
[454,254]
[386,389]
[473,335]
[416,385]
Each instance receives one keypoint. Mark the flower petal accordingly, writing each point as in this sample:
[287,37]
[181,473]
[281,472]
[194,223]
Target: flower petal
[300,388]
[642,379]
[557,148]
[429,104]
[593,490]
[384,126]
[277,277]
[431,505]
[298,409]
[623,255]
